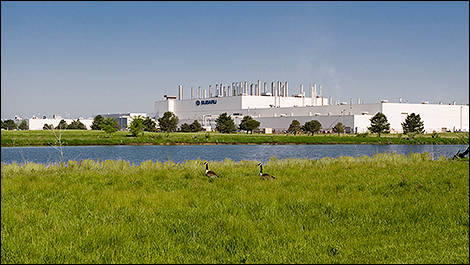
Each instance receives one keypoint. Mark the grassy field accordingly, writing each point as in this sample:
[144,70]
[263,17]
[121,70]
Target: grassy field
[79,137]
[387,208]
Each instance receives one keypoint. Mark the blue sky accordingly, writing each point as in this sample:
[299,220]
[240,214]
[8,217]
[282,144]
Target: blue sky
[85,58]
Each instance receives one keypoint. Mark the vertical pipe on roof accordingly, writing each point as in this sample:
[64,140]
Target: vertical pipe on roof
[180,92]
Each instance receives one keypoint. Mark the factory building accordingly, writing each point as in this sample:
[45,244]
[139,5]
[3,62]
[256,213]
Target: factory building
[275,109]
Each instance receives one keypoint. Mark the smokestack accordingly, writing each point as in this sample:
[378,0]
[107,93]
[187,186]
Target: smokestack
[272,89]
[264,88]
[320,91]
[314,90]
[217,90]
[180,92]
[302,89]
[287,89]
[279,91]
[198,92]
[240,89]
[245,88]
[358,101]
[205,93]
[251,90]
[210,91]
[192,92]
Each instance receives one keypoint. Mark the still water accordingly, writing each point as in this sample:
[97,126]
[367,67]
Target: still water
[180,153]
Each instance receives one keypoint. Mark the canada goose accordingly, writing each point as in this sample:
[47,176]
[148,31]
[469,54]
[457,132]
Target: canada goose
[264,175]
[209,173]
[461,155]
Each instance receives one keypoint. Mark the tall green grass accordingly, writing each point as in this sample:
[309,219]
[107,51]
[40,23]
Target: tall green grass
[387,208]
[80,137]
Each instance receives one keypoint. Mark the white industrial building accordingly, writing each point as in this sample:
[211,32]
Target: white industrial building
[38,124]
[275,109]
[124,119]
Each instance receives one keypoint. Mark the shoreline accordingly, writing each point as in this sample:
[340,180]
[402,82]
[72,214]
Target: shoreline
[89,138]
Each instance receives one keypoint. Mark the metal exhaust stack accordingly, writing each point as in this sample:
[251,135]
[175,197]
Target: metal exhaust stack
[180,92]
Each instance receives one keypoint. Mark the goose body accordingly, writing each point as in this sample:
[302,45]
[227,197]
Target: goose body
[209,173]
[264,175]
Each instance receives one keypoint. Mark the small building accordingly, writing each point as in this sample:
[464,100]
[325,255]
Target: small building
[125,119]
[38,124]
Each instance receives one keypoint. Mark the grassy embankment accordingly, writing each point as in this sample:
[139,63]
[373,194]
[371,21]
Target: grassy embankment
[383,209]
[78,137]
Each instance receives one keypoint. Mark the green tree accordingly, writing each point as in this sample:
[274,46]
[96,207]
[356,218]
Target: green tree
[168,122]
[9,125]
[47,127]
[195,126]
[76,125]
[413,124]
[109,125]
[312,127]
[23,125]
[294,127]
[97,123]
[248,124]
[62,125]
[225,124]
[185,127]
[137,126]
[150,125]
[339,128]
[379,124]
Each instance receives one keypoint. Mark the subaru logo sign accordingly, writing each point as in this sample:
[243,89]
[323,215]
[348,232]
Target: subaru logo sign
[206,102]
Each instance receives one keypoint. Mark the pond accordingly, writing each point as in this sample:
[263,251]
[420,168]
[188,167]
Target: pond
[180,153]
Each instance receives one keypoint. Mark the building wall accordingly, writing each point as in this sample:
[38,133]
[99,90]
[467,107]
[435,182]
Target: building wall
[434,116]
[247,105]
[124,119]
[327,122]
[38,124]
[361,123]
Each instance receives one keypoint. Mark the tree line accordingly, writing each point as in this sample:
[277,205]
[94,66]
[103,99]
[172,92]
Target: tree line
[74,125]
[12,125]
[379,124]
[224,124]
